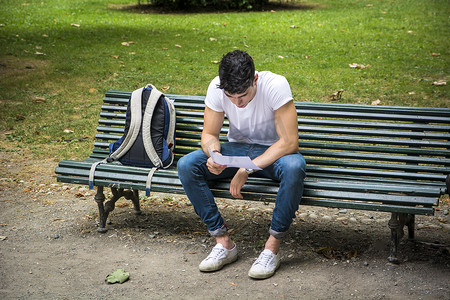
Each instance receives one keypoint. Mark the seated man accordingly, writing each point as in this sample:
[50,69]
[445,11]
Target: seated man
[263,126]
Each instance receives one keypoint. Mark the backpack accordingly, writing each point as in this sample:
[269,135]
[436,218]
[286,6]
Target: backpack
[149,136]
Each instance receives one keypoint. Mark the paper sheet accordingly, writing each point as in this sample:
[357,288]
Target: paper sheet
[233,161]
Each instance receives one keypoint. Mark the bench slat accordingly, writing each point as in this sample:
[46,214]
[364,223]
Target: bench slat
[381,166]
[140,175]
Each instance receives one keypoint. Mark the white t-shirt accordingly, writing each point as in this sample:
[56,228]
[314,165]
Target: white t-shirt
[255,123]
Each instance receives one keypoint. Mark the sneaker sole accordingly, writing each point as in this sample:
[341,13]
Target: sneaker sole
[219,267]
[263,276]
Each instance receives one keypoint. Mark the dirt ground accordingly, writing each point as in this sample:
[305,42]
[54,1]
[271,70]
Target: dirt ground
[50,249]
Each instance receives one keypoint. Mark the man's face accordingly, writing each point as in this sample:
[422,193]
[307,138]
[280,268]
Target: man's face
[243,99]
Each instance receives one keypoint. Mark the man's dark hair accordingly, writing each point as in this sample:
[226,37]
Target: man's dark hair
[236,72]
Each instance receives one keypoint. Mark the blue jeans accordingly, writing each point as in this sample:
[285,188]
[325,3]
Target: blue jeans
[289,171]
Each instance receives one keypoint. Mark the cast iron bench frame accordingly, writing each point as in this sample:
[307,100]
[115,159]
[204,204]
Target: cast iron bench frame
[379,158]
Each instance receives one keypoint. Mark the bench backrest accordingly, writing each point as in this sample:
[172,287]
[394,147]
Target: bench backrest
[405,144]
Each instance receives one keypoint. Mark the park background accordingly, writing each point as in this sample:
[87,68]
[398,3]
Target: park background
[58,58]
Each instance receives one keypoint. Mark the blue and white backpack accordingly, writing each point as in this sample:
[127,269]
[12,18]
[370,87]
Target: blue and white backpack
[149,137]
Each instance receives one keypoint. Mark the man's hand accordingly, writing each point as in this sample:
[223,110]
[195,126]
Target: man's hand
[238,181]
[214,168]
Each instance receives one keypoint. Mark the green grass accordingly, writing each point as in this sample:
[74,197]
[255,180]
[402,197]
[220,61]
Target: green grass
[44,95]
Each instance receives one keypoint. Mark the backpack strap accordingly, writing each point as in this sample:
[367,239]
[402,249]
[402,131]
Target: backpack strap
[171,133]
[92,172]
[148,185]
[133,132]
[135,125]
[147,124]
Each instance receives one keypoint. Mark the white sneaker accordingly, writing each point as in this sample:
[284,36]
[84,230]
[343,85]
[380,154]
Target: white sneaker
[219,257]
[265,266]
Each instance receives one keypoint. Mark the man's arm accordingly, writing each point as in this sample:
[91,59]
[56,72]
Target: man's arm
[212,124]
[286,125]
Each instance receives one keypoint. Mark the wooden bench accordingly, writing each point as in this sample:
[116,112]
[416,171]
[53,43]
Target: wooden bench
[380,158]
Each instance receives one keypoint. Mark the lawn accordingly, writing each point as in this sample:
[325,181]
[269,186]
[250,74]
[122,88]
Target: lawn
[58,57]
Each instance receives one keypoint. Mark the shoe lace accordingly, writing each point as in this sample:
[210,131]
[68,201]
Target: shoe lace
[215,253]
[264,259]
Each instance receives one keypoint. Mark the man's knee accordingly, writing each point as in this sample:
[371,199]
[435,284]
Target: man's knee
[295,166]
[184,166]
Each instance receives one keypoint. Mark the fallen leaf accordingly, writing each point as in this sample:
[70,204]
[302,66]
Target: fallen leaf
[125,44]
[328,252]
[132,53]
[279,56]
[212,39]
[26,190]
[39,53]
[337,95]
[376,102]
[192,252]
[358,66]
[38,99]
[79,195]
[2,237]
[308,56]
[179,46]
[115,75]
[68,131]
[411,93]
[115,56]
[435,54]
[272,11]
[225,24]
[93,90]
[165,88]
[293,26]
[75,25]
[215,61]
[233,284]
[440,83]
[45,35]
[352,254]
[38,47]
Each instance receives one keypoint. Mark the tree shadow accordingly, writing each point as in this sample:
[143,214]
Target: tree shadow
[269,7]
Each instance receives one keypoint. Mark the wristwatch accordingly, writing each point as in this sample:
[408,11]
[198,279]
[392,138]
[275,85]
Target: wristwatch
[250,171]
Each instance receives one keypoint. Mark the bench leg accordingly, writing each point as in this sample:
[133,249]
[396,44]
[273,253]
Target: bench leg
[100,198]
[396,224]
[396,230]
[411,222]
[110,205]
[133,195]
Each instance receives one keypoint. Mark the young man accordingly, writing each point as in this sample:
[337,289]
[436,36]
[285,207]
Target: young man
[263,126]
